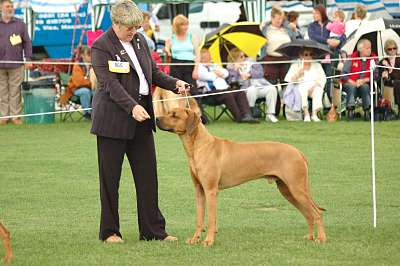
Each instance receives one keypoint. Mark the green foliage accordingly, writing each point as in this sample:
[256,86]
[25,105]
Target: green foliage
[49,199]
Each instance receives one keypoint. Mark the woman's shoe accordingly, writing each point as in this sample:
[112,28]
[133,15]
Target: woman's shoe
[114,239]
[170,238]
[307,118]
[315,118]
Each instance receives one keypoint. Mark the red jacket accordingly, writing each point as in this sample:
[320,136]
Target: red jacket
[356,66]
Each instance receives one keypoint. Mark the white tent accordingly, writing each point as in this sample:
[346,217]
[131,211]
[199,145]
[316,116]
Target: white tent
[50,6]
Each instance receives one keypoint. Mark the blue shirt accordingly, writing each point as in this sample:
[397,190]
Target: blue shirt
[182,49]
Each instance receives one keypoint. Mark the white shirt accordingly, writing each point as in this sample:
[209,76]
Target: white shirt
[144,86]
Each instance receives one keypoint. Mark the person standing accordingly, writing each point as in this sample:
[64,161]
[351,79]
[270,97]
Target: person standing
[123,120]
[15,44]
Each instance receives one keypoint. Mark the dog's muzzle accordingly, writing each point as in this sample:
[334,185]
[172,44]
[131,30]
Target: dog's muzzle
[159,125]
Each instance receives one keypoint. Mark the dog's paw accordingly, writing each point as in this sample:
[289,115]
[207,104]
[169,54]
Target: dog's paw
[207,242]
[193,240]
[7,259]
[320,240]
[309,237]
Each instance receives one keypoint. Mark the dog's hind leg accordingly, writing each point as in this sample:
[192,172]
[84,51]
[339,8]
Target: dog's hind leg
[288,195]
[5,236]
[310,211]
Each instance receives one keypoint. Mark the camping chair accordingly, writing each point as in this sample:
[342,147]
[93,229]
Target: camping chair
[217,109]
[72,104]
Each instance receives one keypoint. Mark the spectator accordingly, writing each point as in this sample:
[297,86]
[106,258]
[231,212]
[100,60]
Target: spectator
[293,27]
[358,84]
[391,77]
[212,79]
[276,35]
[337,26]
[15,44]
[250,76]
[146,27]
[79,83]
[313,79]
[354,23]
[318,32]
[182,47]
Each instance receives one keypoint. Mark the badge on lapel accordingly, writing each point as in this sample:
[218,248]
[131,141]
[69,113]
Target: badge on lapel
[118,67]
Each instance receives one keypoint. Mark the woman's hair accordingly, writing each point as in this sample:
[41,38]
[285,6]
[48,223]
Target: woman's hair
[389,43]
[292,16]
[276,11]
[146,15]
[321,9]
[177,22]
[340,14]
[125,12]
[234,55]
[361,12]
[84,50]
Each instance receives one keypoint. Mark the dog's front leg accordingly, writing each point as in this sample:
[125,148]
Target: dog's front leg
[200,211]
[211,198]
[5,236]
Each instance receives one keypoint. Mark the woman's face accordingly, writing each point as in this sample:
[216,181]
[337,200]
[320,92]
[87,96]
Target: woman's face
[240,58]
[125,33]
[317,16]
[306,55]
[183,28]
[277,21]
[205,57]
[86,57]
[391,50]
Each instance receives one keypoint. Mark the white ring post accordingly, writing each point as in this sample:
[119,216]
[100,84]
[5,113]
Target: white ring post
[371,79]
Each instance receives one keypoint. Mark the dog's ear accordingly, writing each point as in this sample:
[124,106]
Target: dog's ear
[192,121]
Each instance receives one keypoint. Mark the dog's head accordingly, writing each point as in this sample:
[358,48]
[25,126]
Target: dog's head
[180,121]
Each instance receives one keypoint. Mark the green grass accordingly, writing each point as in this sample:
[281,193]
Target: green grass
[49,199]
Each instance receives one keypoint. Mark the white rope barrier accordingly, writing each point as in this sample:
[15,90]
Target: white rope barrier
[182,97]
[191,64]
[389,67]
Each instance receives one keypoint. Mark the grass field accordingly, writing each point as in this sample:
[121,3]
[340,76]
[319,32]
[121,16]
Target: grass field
[49,199]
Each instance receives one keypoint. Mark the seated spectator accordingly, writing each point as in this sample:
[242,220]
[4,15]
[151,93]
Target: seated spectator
[391,77]
[250,75]
[357,85]
[276,34]
[79,83]
[293,26]
[212,79]
[313,79]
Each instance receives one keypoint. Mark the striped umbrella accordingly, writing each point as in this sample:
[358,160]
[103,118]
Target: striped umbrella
[246,36]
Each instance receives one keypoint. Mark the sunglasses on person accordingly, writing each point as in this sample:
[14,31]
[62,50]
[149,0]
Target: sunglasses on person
[391,49]
[307,54]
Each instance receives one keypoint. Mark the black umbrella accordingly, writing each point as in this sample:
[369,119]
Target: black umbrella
[293,49]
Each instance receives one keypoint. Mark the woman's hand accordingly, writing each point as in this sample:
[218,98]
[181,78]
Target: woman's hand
[385,74]
[333,43]
[182,87]
[139,113]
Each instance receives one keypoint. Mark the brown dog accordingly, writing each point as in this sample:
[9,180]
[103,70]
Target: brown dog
[165,100]
[218,164]
[6,237]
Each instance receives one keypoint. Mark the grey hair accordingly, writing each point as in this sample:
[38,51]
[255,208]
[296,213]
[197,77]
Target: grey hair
[360,44]
[126,12]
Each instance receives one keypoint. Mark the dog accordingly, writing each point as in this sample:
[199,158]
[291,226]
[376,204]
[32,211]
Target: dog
[162,108]
[217,164]
[5,236]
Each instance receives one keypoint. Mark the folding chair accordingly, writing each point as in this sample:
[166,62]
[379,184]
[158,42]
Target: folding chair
[217,109]
[73,103]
